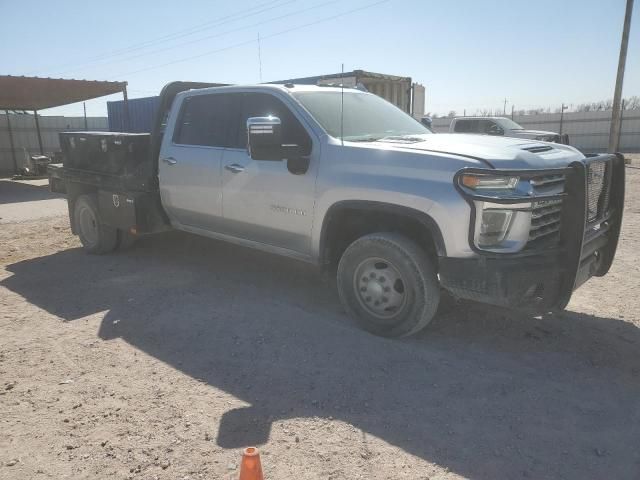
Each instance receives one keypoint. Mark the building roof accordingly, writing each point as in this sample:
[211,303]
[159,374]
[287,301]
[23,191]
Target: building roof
[35,93]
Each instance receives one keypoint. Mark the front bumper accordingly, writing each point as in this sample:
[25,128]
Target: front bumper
[543,279]
[508,282]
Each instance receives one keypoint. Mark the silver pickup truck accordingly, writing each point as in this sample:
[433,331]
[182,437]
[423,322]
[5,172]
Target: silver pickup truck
[502,126]
[345,180]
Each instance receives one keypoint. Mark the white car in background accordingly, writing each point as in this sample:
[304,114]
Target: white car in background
[501,126]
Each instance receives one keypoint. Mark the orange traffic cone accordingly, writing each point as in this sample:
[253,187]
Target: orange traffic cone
[250,468]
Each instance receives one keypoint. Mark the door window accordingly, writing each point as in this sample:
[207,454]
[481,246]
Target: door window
[263,105]
[204,120]
[484,126]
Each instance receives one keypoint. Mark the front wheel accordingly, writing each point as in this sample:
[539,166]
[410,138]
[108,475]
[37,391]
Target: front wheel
[388,284]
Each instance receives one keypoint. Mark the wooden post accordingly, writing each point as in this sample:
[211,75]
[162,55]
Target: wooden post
[621,120]
[616,114]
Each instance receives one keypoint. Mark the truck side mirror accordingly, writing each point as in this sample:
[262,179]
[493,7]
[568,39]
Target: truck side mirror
[264,138]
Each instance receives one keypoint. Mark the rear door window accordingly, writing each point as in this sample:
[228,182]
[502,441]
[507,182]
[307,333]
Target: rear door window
[466,126]
[204,120]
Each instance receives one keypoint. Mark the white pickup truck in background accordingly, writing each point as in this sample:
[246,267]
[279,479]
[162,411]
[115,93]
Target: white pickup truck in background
[502,126]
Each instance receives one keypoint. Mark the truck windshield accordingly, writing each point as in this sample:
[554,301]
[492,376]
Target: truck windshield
[367,117]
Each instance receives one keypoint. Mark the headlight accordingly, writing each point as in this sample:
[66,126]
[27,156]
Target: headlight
[476,181]
[494,225]
[499,227]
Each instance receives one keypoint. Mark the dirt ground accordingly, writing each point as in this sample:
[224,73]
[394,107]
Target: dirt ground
[164,361]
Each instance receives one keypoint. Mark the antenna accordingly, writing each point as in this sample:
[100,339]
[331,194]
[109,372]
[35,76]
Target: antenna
[342,105]
[259,58]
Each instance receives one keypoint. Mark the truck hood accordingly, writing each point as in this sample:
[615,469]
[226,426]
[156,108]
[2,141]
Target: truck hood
[499,152]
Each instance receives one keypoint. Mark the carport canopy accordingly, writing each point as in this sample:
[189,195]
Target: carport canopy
[35,93]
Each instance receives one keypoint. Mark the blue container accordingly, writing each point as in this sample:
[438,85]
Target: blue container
[142,114]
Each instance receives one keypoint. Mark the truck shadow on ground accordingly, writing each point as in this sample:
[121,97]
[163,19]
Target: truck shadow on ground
[17,192]
[486,393]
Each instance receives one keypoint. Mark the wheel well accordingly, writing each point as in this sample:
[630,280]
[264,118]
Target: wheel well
[347,223]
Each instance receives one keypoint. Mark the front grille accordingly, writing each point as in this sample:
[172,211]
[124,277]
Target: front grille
[546,214]
[545,222]
[546,180]
[598,181]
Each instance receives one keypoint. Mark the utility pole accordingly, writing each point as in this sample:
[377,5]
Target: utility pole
[84,106]
[513,107]
[259,58]
[621,120]
[504,108]
[563,107]
[616,120]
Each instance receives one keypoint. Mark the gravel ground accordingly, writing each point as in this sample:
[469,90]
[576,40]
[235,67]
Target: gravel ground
[164,361]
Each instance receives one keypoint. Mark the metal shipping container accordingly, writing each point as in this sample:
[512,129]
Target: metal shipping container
[400,91]
[142,113]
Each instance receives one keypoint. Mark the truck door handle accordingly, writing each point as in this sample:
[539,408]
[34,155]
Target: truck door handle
[170,160]
[234,168]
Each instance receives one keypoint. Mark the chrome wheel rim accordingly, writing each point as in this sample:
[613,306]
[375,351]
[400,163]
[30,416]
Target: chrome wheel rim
[88,225]
[380,288]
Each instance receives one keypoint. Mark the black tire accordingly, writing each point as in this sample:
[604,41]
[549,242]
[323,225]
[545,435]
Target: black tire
[365,271]
[94,235]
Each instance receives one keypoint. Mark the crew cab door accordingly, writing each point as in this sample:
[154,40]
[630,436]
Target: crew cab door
[190,161]
[263,201]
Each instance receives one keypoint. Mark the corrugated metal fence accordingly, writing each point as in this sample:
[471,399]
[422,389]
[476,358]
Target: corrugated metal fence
[588,131]
[25,137]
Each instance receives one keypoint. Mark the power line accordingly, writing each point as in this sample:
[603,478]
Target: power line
[208,37]
[179,34]
[247,42]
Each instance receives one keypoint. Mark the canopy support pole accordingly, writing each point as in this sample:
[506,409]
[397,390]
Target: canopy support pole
[35,113]
[11,144]
[126,108]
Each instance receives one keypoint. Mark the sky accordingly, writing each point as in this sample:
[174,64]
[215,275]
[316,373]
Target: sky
[468,54]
